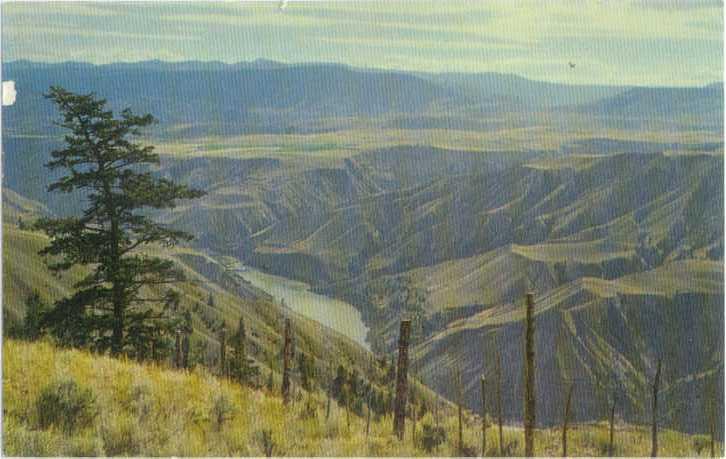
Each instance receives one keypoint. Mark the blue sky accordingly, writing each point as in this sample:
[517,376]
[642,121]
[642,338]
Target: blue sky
[611,42]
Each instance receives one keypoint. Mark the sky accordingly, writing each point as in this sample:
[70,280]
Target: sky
[654,43]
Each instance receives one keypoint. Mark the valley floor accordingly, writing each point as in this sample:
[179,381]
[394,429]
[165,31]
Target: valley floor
[126,408]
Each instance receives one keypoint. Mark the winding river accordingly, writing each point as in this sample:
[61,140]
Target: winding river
[335,314]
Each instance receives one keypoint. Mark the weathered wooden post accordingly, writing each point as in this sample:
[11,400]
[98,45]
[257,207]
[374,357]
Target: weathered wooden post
[347,409]
[399,419]
[413,422]
[371,377]
[223,351]
[368,417]
[712,413]
[611,444]
[566,418]
[330,392]
[654,435]
[483,417]
[500,417]
[286,355]
[529,396]
[459,401]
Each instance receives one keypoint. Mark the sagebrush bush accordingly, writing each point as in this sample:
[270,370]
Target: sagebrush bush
[222,411]
[702,444]
[432,437]
[66,405]
[121,436]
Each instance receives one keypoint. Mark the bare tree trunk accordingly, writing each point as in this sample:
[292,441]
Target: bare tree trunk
[654,435]
[483,417]
[413,423]
[500,417]
[459,401]
[436,411]
[529,395]
[611,445]
[712,416]
[286,356]
[223,352]
[177,349]
[371,377]
[330,392]
[368,418]
[566,419]
[399,419]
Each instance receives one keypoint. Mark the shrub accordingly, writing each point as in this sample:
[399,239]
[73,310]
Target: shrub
[222,411]
[267,442]
[66,405]
[468,451]
[701,443]
[121,437]
[309,409]
[83,446]
[432,437]
[511,448]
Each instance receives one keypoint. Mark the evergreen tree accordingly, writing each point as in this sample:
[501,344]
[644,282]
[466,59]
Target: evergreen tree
[242,368]
[108,311]
[306,370]
[270,383]
[34,310]
[340,380]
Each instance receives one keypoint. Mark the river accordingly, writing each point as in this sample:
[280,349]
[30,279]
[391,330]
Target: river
[335,314]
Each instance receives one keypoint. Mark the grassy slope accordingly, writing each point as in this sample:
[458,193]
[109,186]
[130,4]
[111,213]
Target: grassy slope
[25,271]
[150,410]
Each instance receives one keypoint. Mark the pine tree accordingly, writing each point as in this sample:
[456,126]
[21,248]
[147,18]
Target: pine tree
[306,370]
[34,310]
[242,368]
[108,311]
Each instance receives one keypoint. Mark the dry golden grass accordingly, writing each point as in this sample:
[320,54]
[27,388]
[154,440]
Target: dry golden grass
[150,410]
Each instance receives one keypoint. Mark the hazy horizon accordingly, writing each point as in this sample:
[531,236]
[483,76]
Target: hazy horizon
[624,43]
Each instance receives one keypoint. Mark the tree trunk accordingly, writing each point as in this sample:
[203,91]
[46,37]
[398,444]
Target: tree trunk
[436,411]
[413,423]
[177,349]
[611,444]
[654,435]
[712,416]
[185,351]
[369,401]
[347,411]
[529,395]
[286,355]
[483,417]
[399,419]
[459,401]
[566,419]
[117,291]
[500,417]
[223,352]
[368,417]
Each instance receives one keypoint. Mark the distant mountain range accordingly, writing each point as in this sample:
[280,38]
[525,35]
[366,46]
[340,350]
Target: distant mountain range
[194,98]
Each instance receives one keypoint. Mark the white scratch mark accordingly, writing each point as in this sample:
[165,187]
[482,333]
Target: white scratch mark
[8,93]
